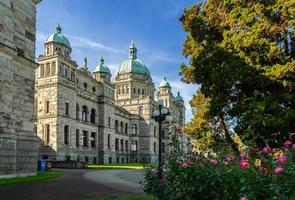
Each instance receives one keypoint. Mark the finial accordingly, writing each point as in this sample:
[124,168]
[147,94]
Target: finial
[58,28]
[101,60]
[165,79]
[178,93]
[132,51]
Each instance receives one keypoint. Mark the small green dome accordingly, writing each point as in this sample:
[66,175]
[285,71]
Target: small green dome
[179,98]
[165,83]
[101,67]
[132,64]
[58,37]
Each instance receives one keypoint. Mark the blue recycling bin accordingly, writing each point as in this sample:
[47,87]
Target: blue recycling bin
[42,165]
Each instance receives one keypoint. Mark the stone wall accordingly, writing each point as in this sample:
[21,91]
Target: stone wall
[18,141]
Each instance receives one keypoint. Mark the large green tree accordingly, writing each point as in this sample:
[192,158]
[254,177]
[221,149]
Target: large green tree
[242,53]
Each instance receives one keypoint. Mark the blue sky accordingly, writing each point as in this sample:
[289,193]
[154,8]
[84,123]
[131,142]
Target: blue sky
[106,28]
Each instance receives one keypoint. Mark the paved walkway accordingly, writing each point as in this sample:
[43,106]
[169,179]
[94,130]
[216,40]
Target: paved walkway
[77,184]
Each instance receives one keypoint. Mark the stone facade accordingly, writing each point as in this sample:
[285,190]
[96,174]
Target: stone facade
[84,116]
[18,141]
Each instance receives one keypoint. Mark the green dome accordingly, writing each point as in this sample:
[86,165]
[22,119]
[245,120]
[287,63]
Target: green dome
[102,67]
[165,83]
[132,64]
[58,37]
[178,98]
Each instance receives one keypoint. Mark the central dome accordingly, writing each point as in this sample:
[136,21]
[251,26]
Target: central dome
[132,64]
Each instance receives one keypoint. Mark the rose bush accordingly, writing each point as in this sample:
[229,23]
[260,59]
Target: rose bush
[260,174]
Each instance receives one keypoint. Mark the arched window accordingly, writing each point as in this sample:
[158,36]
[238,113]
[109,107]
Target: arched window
[138,90]
[77,111]
[126,128]
[134,129]
[116,126]
[121,127]
[47,137]
[84,113]
[141,110]
[92,116]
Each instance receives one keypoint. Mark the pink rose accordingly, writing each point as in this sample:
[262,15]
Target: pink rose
[162,181]
[229,158]
[282,159]
[288,143]
[263,170]
[244,156]
[213,162]
[244,198]
[279,169]
[267,149]
[244,164]
[189,162]
[184,165]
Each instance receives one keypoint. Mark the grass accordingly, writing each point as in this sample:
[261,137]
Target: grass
[119,166]
[39,177]
[124,198]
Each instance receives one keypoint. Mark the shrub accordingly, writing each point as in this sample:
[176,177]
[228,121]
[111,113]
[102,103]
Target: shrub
[261,174]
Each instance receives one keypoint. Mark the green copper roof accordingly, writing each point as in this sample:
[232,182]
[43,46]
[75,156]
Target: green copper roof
[101,67]
[165,83]
[132,64]
[58,37]
[178,98]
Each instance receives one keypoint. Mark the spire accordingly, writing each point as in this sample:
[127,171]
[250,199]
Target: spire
[178,93]
[58,28]
[132,51]
[165,79]
[101,60]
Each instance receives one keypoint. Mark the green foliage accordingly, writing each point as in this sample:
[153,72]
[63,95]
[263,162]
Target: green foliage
[124,198]
[242,53]
[39,177]
[219,177]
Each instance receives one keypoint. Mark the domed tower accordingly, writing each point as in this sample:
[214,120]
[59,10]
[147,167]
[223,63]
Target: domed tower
[102,72]
[180,105]
[57,43]
[164,92]
[133,79]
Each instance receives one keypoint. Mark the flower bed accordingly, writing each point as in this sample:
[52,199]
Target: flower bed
[254,174]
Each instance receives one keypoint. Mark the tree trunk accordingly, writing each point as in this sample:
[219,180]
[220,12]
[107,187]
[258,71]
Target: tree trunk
[228,138]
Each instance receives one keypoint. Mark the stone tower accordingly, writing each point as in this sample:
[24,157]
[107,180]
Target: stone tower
[18,141]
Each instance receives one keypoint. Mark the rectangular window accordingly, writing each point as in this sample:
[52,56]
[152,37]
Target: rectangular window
[118,160]
[85,139]
[163,147]
[109,121]
[134,90]
[122,145]
[155,147]
[86,159]
[126,145]
[93,139]
[109,140]
[94,160]
[110,160]
[163,134]
[47,107]
[77,138]
[66,134]
[117,144]
[67,108]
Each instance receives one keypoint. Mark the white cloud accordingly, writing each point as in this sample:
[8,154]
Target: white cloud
[82,42]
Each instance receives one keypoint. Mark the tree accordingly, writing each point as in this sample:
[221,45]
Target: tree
[242,53]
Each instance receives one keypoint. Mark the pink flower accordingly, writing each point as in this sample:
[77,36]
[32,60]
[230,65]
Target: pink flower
[293,146]
[229,158]
[213,162]
[184,165]
[162,180]
[244,164]
[225,162]
[282,159]
[252,150]
[244,156]
[267,149]
[263,170]
[244,198]
[288,143]
[259,152]
[279,169]
[189,162]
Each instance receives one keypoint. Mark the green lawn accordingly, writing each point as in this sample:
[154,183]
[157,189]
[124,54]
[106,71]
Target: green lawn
[124,198]
[39,177]
[119,166]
